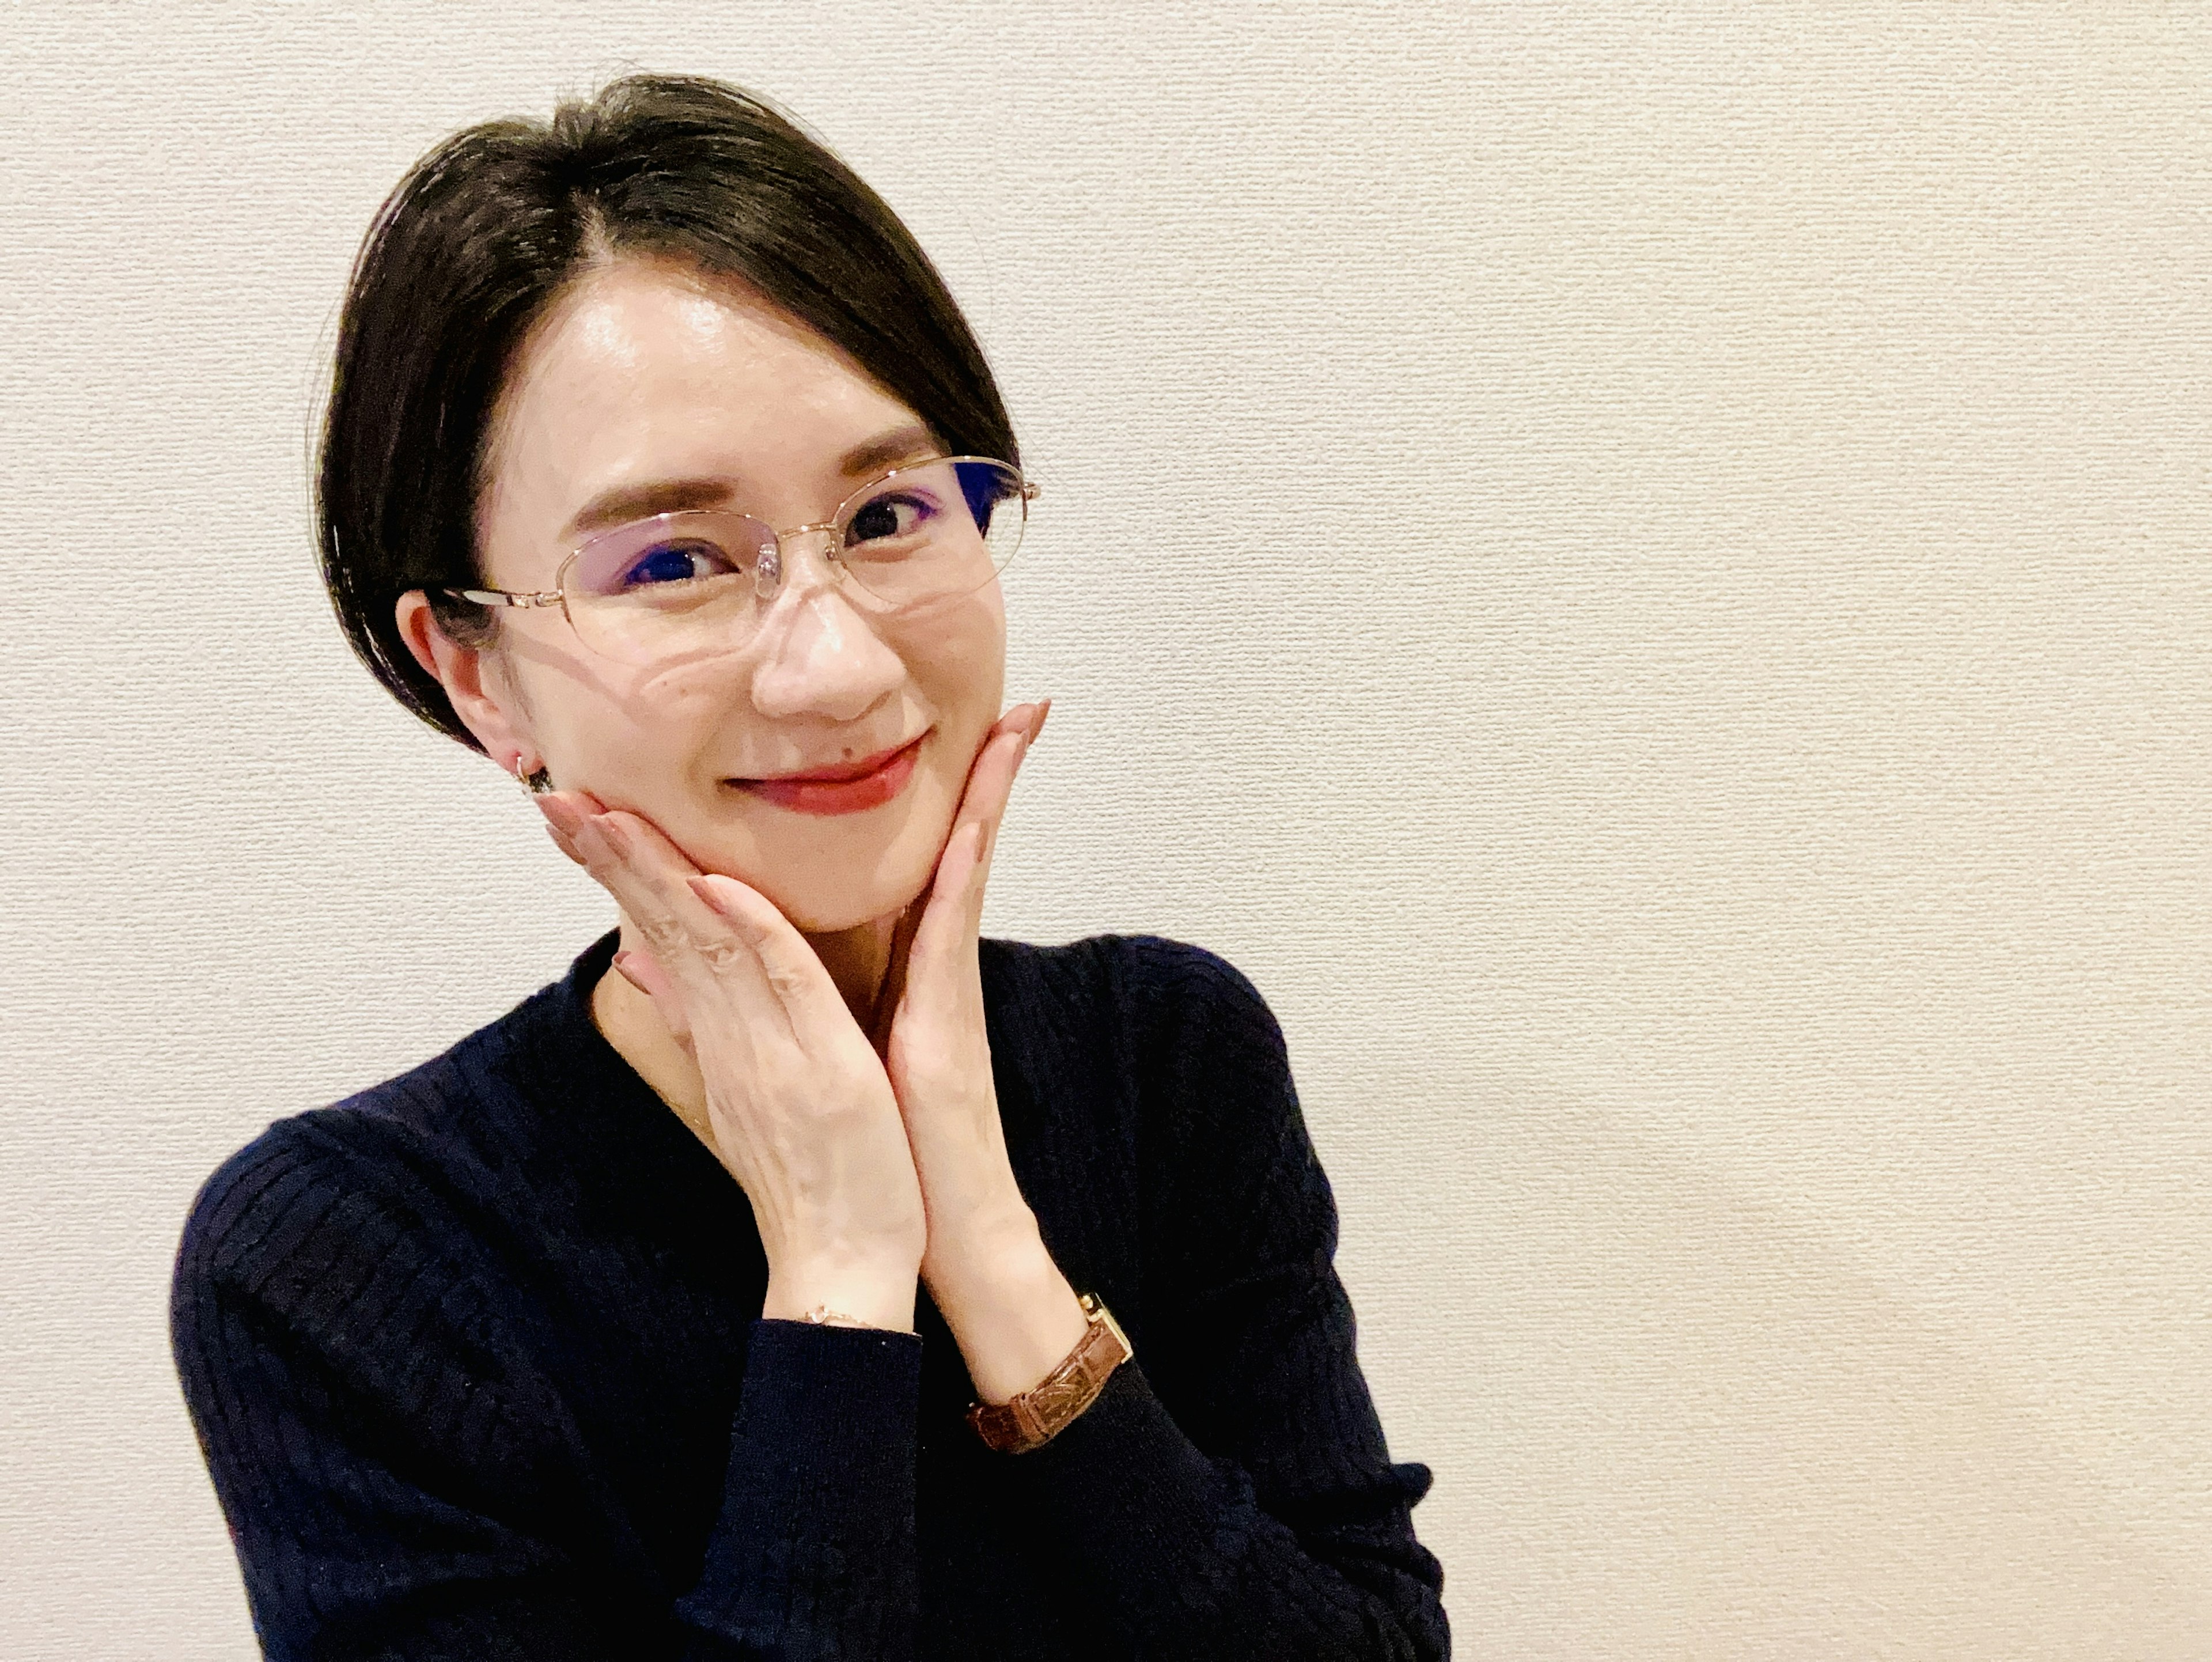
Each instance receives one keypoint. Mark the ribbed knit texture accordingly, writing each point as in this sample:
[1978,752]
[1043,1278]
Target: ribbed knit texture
[477,1361]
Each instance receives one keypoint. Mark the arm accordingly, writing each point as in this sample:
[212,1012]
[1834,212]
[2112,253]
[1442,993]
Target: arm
[402,1483]
[1230,1495]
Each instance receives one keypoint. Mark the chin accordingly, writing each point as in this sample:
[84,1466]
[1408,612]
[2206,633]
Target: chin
[830,896]
[834,915]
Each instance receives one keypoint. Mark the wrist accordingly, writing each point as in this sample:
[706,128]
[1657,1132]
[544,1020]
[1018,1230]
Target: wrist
[1013,1314]
[873,1295]
[986,1243]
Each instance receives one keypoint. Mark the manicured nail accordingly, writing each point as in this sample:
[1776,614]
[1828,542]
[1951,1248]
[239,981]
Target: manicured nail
[622,963]
[616,833]
[563,844]
[560,812]
[1037,723]
[705,891]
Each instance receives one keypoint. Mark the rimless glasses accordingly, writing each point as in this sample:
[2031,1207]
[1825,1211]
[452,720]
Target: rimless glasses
[698,583]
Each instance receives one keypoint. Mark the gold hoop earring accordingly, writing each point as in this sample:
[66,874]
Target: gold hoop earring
[536,784]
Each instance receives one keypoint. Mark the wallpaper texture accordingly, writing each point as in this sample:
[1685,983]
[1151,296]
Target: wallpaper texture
[1641,570]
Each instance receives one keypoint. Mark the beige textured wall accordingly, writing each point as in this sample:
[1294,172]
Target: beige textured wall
[1641,569]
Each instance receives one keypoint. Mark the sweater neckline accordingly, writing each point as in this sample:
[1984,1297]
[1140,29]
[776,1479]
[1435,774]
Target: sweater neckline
[640,1145]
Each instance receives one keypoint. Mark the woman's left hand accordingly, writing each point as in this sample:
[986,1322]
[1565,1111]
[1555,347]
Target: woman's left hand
[928,1020]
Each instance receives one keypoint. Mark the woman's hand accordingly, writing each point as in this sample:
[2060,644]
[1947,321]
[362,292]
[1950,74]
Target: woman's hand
[928,1020]
[801,1109]
[1012,1312]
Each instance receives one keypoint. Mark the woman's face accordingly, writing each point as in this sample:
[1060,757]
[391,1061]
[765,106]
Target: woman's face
[684,391]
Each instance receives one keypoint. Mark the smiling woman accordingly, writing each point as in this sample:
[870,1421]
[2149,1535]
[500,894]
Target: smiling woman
[662,468]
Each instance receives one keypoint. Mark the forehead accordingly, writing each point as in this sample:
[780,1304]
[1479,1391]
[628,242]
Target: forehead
[646,370]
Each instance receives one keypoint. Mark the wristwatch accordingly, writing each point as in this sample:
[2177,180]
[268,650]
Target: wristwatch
[1041,1413]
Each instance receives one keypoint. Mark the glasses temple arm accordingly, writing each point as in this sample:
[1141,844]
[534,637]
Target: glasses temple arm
[502,597]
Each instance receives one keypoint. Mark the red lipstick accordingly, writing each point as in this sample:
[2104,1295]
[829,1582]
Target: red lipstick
[850,787]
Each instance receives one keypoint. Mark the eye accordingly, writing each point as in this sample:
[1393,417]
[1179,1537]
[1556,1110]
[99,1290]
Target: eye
[891,516]
[679,560]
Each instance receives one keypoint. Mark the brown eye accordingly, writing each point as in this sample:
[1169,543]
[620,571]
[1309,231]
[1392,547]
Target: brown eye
[892,515]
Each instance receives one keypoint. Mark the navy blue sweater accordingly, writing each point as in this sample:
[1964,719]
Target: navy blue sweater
[477,1361]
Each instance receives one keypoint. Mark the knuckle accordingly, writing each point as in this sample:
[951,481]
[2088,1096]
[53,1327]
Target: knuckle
[724,954]
[660,929]
[785,982]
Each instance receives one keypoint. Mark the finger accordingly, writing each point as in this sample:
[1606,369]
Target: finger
[566,844]
[639,969]
[946,930]
[574,820]
[1024,719]
[997,816]
[990,787]
[991,775]
[566,810]
[643,972]
[790,970]
[982,805]
[648,876]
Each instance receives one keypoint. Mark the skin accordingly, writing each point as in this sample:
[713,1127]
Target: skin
[802,991]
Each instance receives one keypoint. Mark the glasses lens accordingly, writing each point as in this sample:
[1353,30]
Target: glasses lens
[934,531]
[671,587]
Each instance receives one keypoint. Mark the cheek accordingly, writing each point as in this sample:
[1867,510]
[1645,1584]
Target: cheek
[960,662]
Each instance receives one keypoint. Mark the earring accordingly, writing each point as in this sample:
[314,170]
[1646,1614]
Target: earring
[536,783]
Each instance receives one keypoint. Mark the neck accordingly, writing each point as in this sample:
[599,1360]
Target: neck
[858,960]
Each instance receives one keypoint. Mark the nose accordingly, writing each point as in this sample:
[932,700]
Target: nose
[814,654]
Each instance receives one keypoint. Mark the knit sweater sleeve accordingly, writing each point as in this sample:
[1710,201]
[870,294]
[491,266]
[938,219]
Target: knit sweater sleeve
[401,1482]
[1229,1494]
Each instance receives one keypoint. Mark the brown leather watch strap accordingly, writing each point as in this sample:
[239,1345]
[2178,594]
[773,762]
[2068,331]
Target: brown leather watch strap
[1041,1413]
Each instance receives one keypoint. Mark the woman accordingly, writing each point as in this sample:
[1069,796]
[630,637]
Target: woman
[825,1280]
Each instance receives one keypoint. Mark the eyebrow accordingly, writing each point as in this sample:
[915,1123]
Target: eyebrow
[624,503]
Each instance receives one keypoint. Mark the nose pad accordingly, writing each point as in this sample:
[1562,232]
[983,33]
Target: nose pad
[775,563]
[810,656]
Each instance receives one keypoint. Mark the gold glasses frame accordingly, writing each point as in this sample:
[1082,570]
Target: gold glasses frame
[771,577]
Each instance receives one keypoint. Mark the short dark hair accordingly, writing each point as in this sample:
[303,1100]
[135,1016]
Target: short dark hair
[485,231]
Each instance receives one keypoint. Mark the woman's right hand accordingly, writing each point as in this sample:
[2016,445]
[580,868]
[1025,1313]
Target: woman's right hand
[801,1109]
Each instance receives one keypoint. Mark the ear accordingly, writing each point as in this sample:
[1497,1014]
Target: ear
[475,680]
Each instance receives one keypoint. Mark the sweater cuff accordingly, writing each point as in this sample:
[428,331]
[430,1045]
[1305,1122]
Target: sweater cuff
[1135,1497]
[815,1533]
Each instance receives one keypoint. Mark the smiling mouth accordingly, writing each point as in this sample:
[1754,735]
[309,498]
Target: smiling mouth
[842,773]
[850,789]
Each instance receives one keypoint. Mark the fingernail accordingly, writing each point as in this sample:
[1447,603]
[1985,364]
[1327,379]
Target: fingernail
[616,833]
[1036,726]
[705,891]
[622,963]
[563,844]
[560,812]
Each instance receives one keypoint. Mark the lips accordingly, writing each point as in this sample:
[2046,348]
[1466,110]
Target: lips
[851,788]
[839,774]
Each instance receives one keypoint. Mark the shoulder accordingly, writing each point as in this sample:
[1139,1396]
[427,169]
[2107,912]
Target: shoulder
[295,1226]
[1197,1054]
[345,1256]
[319,1196]
[1151,987]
